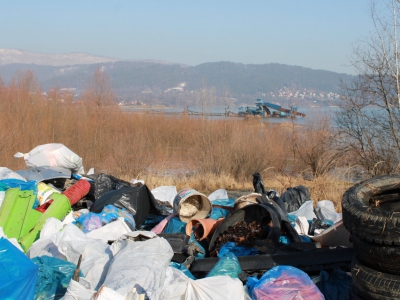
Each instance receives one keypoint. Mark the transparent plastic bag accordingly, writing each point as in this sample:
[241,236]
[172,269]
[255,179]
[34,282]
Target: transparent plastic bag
[284,283]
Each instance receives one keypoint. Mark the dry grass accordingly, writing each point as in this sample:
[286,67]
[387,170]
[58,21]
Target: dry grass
[163,150]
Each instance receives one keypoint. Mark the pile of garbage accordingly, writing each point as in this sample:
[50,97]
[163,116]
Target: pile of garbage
[67,234]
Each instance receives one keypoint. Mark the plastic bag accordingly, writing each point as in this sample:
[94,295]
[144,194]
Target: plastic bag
[237,250]
[19,275]
[91,221]
[76,291]
[53,278]
[175,225]
[69,244]
[52,155]
[103,183]
[111,231]
[141,265]
[178,286]
[182,268]
[218,194]
[228,264]
[294,197]
[306,210]
[327,210]
[165,195]
[283,283]
[137,200]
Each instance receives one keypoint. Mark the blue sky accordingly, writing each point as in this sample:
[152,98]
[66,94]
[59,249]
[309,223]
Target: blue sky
[317,34]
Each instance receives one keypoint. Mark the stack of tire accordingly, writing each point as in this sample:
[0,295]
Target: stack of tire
[371,213]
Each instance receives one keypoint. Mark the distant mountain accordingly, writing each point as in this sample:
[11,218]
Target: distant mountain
[158,81]
[13,56]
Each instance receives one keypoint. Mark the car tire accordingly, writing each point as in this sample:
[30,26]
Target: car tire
[371,210]
[372,284]
[381,258]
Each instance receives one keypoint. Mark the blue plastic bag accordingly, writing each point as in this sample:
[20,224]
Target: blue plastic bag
[218,213]
[335,285]
[53,278]
[226,265]
[91,221]
[19,275]
[224,202]
[237,250]
[283,282]
[175,225]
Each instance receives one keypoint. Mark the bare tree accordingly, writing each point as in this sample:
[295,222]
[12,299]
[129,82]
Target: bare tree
[369,115]
[98,90]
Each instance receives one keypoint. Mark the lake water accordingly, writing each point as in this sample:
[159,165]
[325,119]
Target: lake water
[312,113]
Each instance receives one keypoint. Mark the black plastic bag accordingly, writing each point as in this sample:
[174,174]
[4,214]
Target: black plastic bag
[137,200]
[103,183]
[317,224]
[294,197]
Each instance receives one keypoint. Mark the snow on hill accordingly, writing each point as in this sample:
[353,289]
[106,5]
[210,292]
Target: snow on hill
[13,56]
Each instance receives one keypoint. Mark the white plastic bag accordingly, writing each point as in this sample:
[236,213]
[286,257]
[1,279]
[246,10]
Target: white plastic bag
[218,194]
[305,210]
[328,211]
[111,231]
[69,244]
[76,291]
[51,226]
[52,155]
[165,194]
[140,265]
[178,286]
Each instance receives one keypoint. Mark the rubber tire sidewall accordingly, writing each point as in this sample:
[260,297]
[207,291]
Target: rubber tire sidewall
[372,224]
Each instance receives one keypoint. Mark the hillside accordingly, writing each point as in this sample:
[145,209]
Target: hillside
[167,83]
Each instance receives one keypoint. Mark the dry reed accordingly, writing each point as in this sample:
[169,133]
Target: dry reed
[162,150]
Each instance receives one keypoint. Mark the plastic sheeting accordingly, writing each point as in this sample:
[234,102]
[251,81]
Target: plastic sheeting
[140,265]
[19,274]
[52,155]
